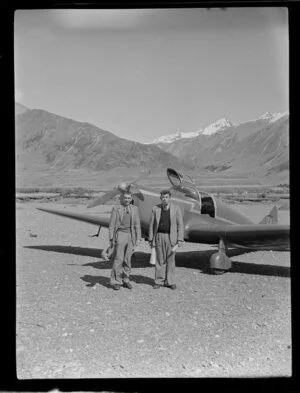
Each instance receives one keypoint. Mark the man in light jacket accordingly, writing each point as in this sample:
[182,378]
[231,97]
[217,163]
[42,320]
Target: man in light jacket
[124,234]
[165,232]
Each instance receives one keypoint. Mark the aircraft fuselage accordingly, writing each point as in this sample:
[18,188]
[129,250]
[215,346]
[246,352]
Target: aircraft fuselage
[145,199]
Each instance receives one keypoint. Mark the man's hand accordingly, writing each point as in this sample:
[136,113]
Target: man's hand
[150,243]
[138,242]
[180,243]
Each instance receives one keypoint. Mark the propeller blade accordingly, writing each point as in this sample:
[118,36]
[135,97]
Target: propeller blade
[104,198]
[121,188]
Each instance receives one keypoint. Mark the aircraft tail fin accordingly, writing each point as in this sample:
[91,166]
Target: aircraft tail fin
[271,217]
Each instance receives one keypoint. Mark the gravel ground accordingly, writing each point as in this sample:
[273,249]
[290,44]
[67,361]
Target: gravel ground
[71,324]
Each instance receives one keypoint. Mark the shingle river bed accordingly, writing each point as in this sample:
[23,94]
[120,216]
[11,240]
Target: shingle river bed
[71,324]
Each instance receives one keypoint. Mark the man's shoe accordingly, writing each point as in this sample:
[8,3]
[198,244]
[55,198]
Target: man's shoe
[172,287]
[127,285]
[156,286]
[116,287]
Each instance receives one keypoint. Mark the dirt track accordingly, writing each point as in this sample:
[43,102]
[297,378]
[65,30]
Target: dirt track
[71,324]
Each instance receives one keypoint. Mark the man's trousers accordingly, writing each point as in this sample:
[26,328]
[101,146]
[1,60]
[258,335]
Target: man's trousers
[165,260]
[122,261]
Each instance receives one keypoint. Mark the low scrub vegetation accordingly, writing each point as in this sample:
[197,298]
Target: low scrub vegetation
[231,194]
[79,191]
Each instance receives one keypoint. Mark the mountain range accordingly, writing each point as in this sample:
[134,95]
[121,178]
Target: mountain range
[258,147]
[209,130]
[45,140]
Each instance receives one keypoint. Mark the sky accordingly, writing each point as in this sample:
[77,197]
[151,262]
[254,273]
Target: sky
[141,74]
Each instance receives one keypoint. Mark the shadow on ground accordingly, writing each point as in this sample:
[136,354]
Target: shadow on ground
[93,280]
[84,251]
[105,281]
[198,260]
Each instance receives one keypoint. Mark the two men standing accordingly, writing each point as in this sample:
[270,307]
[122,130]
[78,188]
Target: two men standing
[165,232]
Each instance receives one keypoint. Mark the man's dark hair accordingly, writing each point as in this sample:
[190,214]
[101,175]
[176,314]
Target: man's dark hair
[164,192]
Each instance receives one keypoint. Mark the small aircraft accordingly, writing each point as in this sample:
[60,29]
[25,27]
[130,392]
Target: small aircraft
[206,219]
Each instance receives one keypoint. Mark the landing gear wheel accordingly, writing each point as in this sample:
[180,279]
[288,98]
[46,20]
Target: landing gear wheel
[217,271]
[219,262]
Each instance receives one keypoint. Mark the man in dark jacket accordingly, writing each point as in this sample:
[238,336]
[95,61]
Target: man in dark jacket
[124,234]
[165,232]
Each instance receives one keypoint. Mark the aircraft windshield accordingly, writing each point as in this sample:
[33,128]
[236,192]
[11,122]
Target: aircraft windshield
[174,177]
[177,179]
[185,185]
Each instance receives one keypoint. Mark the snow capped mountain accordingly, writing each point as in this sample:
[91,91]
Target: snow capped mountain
[268,117]
[218,126]
[172,137]
[277,116]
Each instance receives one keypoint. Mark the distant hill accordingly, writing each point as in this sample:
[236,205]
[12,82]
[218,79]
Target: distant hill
[258,147]
[20,109]
[51,142]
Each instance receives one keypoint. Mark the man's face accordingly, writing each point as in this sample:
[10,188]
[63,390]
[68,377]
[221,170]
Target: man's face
[126,199]
[165,199]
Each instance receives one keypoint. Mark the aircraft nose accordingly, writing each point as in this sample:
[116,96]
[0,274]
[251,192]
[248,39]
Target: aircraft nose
[122,187]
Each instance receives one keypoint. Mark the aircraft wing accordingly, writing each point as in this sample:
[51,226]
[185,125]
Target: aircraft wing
[96,219]
[258,237]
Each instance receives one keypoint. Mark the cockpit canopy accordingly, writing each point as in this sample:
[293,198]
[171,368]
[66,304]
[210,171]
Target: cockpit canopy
[187,187]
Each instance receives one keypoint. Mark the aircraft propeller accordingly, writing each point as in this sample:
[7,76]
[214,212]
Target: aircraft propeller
[120,188]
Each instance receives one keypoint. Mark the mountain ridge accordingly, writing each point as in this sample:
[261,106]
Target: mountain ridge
[259,146]
[50,142]
[19,108]
[218,126]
